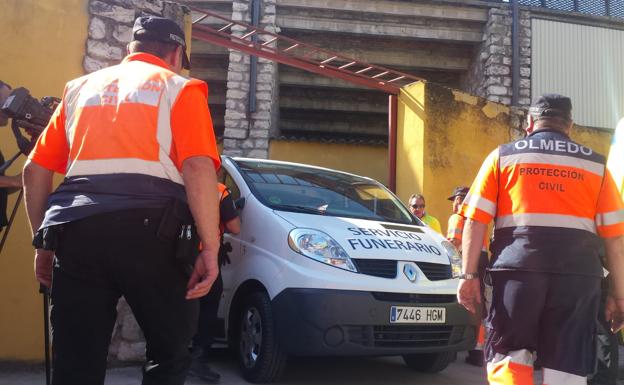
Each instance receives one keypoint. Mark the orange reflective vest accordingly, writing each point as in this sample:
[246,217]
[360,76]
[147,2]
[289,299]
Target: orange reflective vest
[455,230]
[120,136]
[550,198]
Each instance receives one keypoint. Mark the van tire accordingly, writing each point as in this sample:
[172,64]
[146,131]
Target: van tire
[260,356]
[429,362]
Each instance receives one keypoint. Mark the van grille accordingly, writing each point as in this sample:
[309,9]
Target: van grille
[414,298]
[400,336]
[377,267]
[435,271]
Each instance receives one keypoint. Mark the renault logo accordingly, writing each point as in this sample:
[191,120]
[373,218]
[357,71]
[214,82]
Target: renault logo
[410,271]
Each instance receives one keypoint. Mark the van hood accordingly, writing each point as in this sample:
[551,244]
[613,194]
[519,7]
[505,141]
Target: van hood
[368,239]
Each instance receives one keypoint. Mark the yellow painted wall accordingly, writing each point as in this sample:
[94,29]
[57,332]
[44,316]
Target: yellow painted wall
[443,137]
[365,160]
[42,47]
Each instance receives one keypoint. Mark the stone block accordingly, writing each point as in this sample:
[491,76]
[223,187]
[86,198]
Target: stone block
[507,81]
[524,31]
[525,92]
[117,13]
[525,71]
[494,59]
[524,51]
[265,86]
[263,95]
[269,9]
[230,143]
[505,100]
[236,105]
[103,50]
[525,61]
[506,60]
[525,42]
[247,144]
[261,132]
[153,6]
[498,29]
[123,34]
[266,78]
[525,83]
[231,114]
[525,22]
[258,154]
[268,19]
[91,64]
[236,94]
[497,90]
[263,105]
[234,133]
[261,143]
[237,66]
[235,76]
[131,351]
[507,41]
[237,16]
[493,80]
[239,7]
[497,69]
[232,152]
[261,125]
[97,28]
[261,115]
[497,50]
[524,101]
[236,57]
[130,329]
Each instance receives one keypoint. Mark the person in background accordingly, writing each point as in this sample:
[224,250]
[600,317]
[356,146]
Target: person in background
[454,235]
[15,181]
[417,207]
[229,221]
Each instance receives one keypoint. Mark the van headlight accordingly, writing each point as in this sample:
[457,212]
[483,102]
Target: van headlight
[320,247]
[454,258]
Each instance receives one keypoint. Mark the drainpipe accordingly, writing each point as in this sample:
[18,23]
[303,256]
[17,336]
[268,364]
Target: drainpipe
[253,66]
[392,141]
[515,52]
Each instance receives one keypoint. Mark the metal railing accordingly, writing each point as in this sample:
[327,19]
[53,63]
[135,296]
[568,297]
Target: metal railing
[612,8]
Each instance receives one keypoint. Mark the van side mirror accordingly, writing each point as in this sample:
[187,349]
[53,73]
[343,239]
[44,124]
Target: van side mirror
[239,203]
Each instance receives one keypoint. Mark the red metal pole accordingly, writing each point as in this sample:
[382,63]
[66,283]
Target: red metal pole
[392,141]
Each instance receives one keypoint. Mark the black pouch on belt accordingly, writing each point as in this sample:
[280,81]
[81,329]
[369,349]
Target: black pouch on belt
[177,225]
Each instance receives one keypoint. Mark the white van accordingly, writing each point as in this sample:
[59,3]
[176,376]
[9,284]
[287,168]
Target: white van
[330,263]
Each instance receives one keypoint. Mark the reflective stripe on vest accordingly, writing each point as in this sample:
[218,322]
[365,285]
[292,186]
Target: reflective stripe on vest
[118,121]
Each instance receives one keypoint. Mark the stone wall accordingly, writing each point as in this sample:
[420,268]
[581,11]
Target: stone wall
[110,27]
[490,75]
[247,134]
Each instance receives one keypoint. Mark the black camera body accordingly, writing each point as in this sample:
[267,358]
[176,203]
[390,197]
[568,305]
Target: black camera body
[24,108]
[28,113]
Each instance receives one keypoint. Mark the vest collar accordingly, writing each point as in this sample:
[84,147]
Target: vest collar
[148,58]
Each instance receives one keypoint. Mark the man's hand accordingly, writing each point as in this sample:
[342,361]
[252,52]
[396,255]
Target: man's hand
[614,313]
[469,294]
[43,266]
[204,274]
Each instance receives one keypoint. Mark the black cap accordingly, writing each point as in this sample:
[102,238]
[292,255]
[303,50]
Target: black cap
[552,105]
[161,29]
[459,191]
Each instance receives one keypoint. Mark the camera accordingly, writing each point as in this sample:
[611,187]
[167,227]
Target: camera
[30,114]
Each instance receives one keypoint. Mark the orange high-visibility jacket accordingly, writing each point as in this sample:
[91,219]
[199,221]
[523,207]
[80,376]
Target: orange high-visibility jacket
[550,198]
[120,136]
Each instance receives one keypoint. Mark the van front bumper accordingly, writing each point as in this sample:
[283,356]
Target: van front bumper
[312,322]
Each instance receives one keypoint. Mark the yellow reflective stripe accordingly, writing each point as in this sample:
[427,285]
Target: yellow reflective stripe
[610,218]
[124,166]
[548,220]
[552,160]
[481,203]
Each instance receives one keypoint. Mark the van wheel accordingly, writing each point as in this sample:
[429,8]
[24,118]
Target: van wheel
[260,356]
[429,362]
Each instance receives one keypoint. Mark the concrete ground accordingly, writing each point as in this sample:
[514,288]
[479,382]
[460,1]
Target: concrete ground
[301,371]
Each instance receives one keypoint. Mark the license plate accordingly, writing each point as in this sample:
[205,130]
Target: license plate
[417,315]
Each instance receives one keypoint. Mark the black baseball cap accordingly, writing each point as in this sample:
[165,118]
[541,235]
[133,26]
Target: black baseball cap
[552,105]
[161,29]
[459,191]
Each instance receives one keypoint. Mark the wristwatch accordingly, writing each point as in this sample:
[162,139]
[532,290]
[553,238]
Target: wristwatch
[468,276]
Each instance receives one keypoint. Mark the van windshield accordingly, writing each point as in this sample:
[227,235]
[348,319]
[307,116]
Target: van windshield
[296,188]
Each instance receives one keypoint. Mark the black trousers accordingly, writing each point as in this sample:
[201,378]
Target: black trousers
[551,314]
[207,325]
[99,259]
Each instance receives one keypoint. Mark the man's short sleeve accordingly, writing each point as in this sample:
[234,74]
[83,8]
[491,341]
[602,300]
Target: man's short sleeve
[610,209]
[191,125]
[455,227]
[480,203]
[52,150]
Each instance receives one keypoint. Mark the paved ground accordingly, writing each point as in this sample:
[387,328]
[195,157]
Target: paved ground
[310,371]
